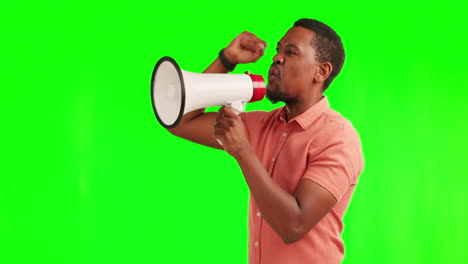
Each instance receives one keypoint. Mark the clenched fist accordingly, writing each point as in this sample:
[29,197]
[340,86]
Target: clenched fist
[245,48]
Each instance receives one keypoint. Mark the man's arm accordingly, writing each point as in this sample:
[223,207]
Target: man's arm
[198,126]
[291,216]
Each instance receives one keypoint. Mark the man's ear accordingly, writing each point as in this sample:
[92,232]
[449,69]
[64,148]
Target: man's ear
[323,72]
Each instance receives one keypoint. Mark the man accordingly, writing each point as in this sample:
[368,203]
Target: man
[301,161]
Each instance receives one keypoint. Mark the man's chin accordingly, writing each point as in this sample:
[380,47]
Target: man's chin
[274,95]
[272,100]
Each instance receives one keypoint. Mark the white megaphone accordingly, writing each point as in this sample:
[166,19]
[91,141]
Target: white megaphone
[175,92]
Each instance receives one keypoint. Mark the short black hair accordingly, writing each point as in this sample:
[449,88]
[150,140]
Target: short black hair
[327,44]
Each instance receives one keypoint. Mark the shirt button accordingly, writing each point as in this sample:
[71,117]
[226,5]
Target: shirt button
[259,214]
[272,159]
[284,134]
[256,244]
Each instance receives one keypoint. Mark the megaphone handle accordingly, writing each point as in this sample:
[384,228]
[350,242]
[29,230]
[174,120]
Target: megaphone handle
[238,106]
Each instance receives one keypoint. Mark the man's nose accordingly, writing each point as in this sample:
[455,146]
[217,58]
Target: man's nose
[278,59]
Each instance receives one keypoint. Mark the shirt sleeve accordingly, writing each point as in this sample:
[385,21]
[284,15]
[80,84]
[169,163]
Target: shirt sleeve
[331,161]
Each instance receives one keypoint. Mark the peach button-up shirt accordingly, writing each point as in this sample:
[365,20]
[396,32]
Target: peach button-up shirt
[319,145]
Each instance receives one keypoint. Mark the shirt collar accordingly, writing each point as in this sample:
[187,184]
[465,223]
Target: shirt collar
[309,116]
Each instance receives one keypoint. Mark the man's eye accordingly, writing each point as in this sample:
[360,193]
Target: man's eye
[290,52]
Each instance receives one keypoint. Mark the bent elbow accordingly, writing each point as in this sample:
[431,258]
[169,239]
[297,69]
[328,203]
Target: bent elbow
[173,131]
[291,239]
[293,235]
[176,131]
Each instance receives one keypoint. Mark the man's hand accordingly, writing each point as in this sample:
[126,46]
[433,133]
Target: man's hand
[245,48]
[230,132]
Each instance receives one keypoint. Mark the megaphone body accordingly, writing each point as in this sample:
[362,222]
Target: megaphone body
[175,92]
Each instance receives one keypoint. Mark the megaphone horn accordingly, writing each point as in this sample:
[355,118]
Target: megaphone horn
[175,92]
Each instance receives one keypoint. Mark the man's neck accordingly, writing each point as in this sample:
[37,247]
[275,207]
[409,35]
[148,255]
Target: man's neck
[301,106]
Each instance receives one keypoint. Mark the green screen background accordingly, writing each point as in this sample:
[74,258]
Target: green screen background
[89,176]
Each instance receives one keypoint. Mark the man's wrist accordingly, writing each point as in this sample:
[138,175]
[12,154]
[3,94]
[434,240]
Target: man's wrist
[244,153]
[226,60]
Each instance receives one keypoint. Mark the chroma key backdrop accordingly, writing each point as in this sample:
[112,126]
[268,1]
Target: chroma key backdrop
[88,176]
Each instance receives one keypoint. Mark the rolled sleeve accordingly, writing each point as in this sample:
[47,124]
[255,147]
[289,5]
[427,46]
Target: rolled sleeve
[331,162]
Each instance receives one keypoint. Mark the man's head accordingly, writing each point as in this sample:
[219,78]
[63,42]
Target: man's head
[309,57]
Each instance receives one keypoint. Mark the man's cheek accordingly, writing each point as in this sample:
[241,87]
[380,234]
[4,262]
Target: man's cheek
[296,71]
[295,76]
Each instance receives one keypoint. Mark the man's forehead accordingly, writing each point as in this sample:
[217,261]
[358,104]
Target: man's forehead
[297,36]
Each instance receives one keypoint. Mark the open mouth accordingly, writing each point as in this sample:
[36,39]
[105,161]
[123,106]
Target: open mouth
[274,74]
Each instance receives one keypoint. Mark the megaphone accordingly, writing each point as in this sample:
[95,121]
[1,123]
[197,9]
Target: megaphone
[175,92]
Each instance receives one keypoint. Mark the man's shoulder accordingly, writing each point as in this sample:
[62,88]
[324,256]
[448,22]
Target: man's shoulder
[336,125]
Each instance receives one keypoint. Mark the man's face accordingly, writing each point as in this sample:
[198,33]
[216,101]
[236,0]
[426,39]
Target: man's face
[293,68]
